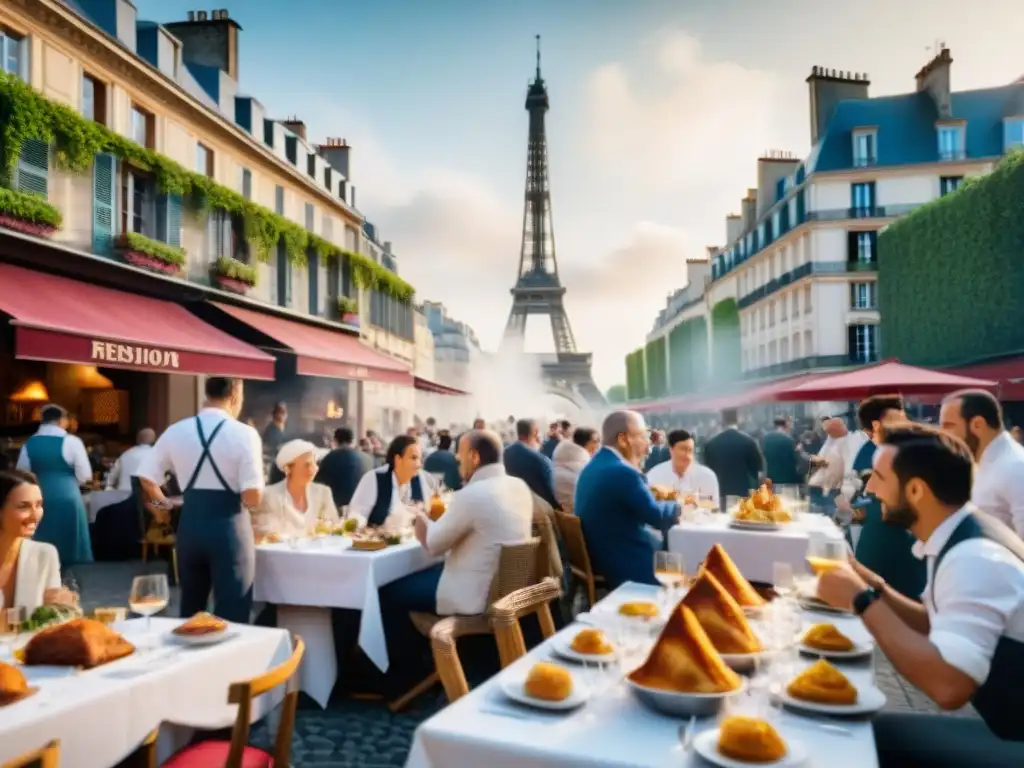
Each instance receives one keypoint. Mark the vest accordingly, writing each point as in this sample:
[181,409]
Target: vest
[998,698]
[385,487]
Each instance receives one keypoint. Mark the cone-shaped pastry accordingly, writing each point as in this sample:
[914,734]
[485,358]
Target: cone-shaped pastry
[823,684]
[12,684]
[826,637]
[720,616]
[750,740]
[684,661]
[720,565]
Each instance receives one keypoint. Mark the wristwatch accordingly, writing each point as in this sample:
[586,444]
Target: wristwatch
[865,599]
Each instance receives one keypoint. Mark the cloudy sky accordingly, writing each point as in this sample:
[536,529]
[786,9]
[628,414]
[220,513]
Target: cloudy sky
[659,109]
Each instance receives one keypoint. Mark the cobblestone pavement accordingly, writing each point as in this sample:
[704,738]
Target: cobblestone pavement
[364,733]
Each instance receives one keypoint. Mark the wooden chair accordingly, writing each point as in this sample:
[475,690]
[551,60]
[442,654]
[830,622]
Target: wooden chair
[47,757]
[155,534]
[237,752]
[579,558]
[505,615]
[517,568]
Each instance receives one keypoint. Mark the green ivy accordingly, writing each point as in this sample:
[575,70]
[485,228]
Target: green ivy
[27,114]
[726,353]
[689,365]
[162,251]
[951,273]
[656,355]
[236,270]
[616,393]
[28,207]
[636,378]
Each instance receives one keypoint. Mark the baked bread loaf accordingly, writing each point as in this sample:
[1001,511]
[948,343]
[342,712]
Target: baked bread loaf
[827,637]
[548,682]
[720,565]
[664,493]
[84,643]
[202,623]
[591,642]
[822,683]
[750,740]
[721,616]
[12,684]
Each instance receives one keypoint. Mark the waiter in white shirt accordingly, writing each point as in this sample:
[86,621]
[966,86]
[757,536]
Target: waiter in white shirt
[221,461]
[682,471]
[976,417]
[395,486]
[128,463]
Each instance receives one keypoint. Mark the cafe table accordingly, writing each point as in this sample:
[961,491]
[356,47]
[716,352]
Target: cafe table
[754,551]
[102,715]
[612,729]
[306,578]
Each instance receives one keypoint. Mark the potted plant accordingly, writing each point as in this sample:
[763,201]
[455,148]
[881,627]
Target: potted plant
[348,310]
[232,275]
[153,255]
[27,213]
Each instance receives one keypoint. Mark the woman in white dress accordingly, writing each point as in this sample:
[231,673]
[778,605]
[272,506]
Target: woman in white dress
[293,506]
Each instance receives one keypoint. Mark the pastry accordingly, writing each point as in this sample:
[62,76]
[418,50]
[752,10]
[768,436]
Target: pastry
[548,682]
[82,643]
[721,616]
[750,740]
[763,506]
[826,637]
[202,623]
[683,660]
[12,684]
[639,609]
[664,493]
[591,642]
[720,565]
[822,683]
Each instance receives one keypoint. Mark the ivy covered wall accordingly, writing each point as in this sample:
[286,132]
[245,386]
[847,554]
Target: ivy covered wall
[951,274]
[656,357]
[636,380]
[726,353]
[689,366]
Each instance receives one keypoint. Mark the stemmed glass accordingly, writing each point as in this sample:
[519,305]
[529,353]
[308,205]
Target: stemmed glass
[669,571]
[150,595]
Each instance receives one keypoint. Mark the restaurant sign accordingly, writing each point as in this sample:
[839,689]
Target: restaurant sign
[131,354]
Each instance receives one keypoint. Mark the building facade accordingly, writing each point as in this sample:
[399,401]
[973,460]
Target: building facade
[456,348]
[797,275]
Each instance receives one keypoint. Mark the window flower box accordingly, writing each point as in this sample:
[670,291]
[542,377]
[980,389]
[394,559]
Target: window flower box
[233,275]
[140,251]
[348,310]
[27,213]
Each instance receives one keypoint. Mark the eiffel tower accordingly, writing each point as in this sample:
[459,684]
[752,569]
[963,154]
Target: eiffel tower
[538,290]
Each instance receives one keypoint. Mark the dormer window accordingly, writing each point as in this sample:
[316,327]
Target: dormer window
[951,141]
[865,147]
[1013,133]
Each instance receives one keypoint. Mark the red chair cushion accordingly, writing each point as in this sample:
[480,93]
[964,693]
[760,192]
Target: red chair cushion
[208,754]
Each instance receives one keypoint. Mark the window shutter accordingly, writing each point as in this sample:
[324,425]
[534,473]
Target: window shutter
[313,269]
[162,228]
[104,203]
[211,236]
[174,220]
[851,342]
[226,240]
[34,167]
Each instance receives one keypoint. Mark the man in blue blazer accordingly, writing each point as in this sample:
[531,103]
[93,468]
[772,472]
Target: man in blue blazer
[615,506]
[525,461]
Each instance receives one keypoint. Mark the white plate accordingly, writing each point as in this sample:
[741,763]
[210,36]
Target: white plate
[748,525]
[210,638]
[562,645]
[705,744]
[605,612]
[859,650]
[512,686]
[743,662]
[869,700]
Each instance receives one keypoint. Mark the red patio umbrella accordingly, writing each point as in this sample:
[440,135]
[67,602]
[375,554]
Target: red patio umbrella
[888,377]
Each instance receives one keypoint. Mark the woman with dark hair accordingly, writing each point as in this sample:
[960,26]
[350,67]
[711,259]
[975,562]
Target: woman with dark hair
[391,489]
[29,570]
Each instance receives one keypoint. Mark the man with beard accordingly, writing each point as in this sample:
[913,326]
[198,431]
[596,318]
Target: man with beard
[965,643]
[976,417]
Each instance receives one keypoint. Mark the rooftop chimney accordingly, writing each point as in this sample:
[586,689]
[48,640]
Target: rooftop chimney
[749,207]
[337,152]
[296,126]
[827,88]
[733,228]
[210,40]
[934,78]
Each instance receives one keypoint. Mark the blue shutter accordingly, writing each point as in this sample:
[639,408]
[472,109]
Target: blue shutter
[174,220]
[104,203]
[313,269]
[34,167]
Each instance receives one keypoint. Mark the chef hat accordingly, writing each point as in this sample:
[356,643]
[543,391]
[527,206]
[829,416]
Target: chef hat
[291,450]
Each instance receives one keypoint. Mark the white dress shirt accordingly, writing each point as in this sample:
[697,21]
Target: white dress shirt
[72,449]
[364,498]
[493,509]
[38,571]
[126,467]
[979,597]
[237,450]
[278,513]
[999,482]
[839,451]
[697,479]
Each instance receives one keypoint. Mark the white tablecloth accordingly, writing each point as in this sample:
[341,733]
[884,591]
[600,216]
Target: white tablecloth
[102,715]
[482,729]
[97,500]
[754,552]
[307,581]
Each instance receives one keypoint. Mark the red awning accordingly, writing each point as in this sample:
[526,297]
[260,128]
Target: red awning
[66,321]
[762,393]
[1009,373]
[887,377]
[323,352]
[437,388]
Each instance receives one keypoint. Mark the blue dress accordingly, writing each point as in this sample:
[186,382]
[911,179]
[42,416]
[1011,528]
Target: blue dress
[64,523]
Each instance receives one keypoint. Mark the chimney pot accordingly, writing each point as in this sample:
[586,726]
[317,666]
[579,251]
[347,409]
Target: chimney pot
[200,15]
[191,15]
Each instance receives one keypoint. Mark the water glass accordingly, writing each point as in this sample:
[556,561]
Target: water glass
[789,492]
[670,572]
[825,553]
[732,504]
[149,595]
[783,579]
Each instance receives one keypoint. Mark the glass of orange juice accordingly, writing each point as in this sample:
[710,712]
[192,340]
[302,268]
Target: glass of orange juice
[669,571]
[825,553]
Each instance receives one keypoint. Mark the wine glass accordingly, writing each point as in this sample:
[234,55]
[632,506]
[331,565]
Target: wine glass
[669,571]
[150,595]
[783,578]
[825,553]
[70,584]
[12,621]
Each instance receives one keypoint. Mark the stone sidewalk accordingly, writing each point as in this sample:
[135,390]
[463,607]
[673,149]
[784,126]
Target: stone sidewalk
[363,733]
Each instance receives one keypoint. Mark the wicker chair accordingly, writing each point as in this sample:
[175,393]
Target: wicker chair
[579,558]
[549,558]
[155,533]
[47,757]
[505,615]
[517,568]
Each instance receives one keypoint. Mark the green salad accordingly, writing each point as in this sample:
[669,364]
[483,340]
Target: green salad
[45,615]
